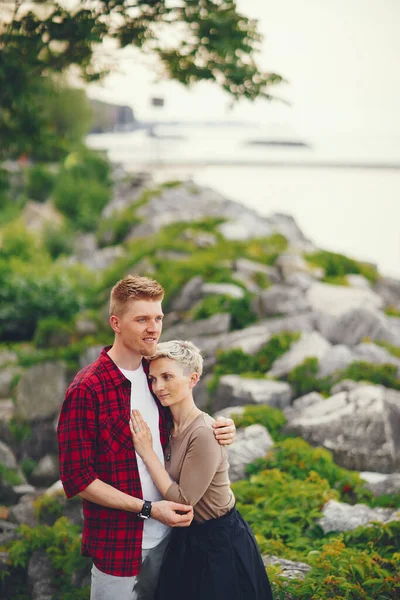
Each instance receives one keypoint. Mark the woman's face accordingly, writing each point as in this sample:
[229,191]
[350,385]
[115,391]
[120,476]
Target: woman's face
[169,382]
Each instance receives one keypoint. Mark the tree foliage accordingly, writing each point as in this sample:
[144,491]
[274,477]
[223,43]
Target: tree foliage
[194,40]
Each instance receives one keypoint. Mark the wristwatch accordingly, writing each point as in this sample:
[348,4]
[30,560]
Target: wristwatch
[146,510]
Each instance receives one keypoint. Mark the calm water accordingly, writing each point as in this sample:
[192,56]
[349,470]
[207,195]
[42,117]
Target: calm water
[351,210]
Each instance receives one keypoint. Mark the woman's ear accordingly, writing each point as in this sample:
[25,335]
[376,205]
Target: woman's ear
[194,378]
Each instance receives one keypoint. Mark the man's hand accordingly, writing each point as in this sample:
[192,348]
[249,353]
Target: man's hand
[172,513]
[224,431]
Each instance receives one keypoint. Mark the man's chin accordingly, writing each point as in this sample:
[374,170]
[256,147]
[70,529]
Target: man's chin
[149,349]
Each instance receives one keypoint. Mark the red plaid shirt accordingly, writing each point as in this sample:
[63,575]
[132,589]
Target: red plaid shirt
[95,443]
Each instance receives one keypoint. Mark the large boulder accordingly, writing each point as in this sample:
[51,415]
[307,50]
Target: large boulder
[288,568]
[336,358]
[40,391]
[340,516]
[218,323]
[310,345]
[352,326]
[361,427]
[234,390]
[8,376]
[189,294]
[389,289]
[382,484]
[337,299]
[282,299]
[375,354]
[251,442]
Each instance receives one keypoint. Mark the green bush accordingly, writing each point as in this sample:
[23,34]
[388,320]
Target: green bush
[28,295]
[338,265]
[82,188]
[9,475]
[40,183]
[62,544]
[304,379]
[392,311]
[17,241]
[240,309]
[54,332]
[4,187]
[385,375]
[272,418]
[58,241]
[297,458]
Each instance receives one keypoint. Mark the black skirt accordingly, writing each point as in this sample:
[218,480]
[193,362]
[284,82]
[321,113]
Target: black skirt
[216,560]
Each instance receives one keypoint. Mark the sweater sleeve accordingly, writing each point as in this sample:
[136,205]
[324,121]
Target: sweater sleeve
[202,459]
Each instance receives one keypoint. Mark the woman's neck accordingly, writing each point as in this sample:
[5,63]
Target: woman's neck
[183,414]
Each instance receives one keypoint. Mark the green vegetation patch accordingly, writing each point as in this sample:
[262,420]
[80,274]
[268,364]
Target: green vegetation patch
[392,311]
[338,266]
[240,309]
[9,475]
[272,418]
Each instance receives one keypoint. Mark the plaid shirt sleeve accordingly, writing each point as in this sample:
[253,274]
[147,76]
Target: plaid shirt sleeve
[77,434]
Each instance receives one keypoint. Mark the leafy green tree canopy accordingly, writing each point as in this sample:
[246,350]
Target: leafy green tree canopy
[194,40]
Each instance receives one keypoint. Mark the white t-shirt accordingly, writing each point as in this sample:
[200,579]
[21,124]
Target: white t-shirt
[142,399]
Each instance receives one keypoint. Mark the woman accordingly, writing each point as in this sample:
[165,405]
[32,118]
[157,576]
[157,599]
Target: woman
[217,557]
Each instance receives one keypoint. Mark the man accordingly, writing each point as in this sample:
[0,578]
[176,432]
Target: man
[97,458]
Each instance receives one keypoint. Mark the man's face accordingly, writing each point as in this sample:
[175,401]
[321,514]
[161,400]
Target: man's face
[140,326]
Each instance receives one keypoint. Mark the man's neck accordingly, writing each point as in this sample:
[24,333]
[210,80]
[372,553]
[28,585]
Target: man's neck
[123,359]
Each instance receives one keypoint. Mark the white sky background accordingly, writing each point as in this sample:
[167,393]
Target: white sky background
[341,58]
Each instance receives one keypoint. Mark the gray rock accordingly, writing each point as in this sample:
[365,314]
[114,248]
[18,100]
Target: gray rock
[41,390]
[358,281]
[7,377]
[46,471]
[389,289]
[218,323]
[287,226]
[251,268]
[302,323]
[351,327]
[310,345]
[24,512]
[189,295]
[303,402]
[37,216]
[290,263]
[229,411]
[42,576]
[90,355]
[250,339]
[7,357]
[289,568]
[346,385]
[337,299]
[375,354]
[251,442]
[386,484]
[282,299]
[7,457]
[339,516]
[85,326]
[336,358]
[301,281]
[360,427]
[235,390]
[7,410]
[223,289]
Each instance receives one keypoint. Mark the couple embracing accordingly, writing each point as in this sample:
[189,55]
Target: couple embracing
[160,521]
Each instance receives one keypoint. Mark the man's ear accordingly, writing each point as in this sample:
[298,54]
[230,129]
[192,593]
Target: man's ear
[114,322]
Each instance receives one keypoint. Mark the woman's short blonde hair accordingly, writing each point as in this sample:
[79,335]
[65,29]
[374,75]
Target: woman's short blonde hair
[186,354]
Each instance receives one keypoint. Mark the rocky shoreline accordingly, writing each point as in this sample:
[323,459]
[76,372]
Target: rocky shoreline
[335,376]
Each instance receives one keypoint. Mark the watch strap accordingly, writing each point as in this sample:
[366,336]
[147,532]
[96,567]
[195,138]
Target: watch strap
[146,510]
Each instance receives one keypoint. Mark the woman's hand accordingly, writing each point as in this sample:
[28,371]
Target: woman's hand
[141,434]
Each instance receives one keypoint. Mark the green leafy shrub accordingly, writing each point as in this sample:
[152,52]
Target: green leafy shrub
[304,378]
[20,429]
[272,418]
[277,506]
[58,241]
[9,475]
[28,465]
[297,458]
[385,375]
[18,242]
[4,187]
[82,189]
[28,295]
[62,543]
[338,265]
[40,182]
[48,508]
[240,309]
[54,332]
[392,311]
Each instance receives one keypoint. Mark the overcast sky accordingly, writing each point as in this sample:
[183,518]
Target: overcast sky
[341,58]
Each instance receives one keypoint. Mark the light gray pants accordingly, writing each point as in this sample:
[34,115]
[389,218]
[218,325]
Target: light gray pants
[140,587]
